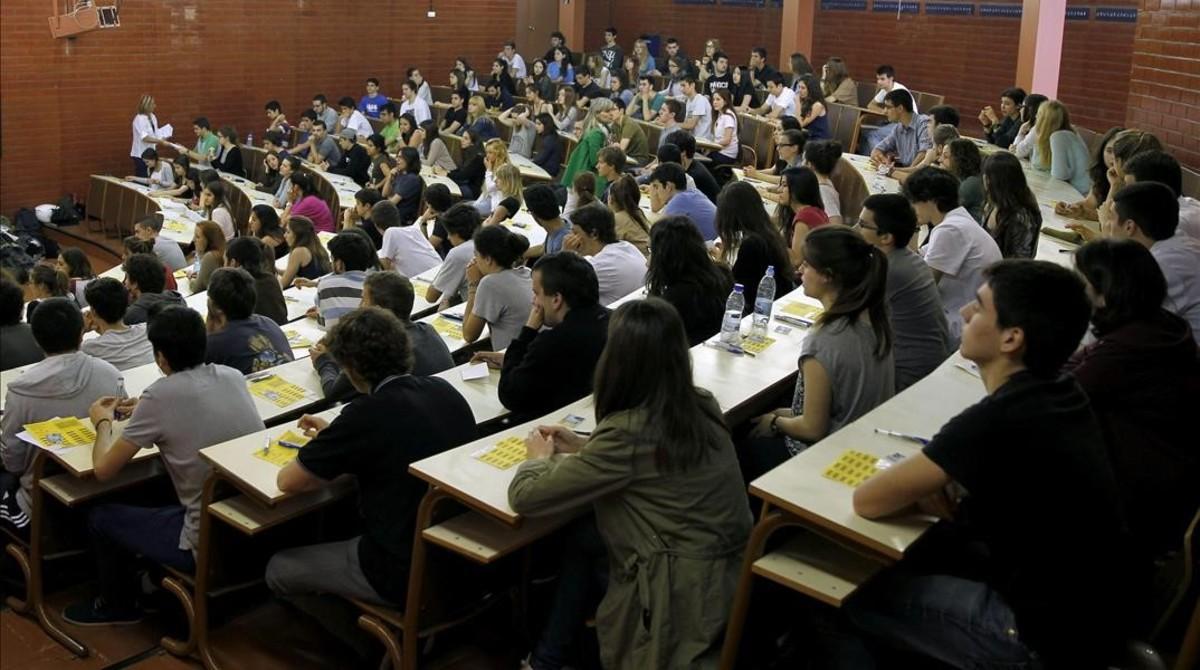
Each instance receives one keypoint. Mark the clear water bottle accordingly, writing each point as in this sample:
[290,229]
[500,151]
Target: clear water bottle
[249,139]
[731,325]
[764,300]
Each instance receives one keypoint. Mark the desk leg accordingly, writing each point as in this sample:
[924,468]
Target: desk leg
[769,522]
[200,623]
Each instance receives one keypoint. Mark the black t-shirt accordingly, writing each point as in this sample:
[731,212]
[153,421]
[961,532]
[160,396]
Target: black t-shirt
[740,91]
[591,91]
[717,82]
[376,438]
[700,310]
[453,115]
[1042,500]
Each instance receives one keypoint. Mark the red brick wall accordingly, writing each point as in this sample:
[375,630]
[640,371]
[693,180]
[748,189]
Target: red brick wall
[67,105]
[1164,95]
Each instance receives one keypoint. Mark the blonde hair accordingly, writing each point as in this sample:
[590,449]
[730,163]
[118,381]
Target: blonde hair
[1052,117]
[501,150]
[592,120]
[641,51]
[473,101]
[145,103]
[715,42]
[508,180]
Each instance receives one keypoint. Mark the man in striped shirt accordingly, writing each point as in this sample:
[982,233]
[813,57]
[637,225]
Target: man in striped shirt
[341,292]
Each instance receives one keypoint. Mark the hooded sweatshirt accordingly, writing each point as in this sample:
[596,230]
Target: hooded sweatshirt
[1143,379]
[63,385]
[140,310]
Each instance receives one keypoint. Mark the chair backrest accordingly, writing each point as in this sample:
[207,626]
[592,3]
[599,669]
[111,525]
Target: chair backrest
[927,101]
[653,133]
[1191,182]
[760,136]
[746,138]
[439,93]
[505,132]
[328,193]
[569,143]
[1175,577]
[747,155]
[866,92]
[454,146]
[254,159]
[851,187]
[241,205]
[844,124]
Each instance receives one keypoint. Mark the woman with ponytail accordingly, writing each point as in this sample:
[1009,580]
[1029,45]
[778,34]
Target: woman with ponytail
[846,366]
[499,289]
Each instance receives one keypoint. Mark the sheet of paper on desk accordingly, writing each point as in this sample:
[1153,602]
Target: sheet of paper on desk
[801,309]
[60,432]
[277,454]
[296,340]
[476,371]
[852,468]
[756,346]
[278,391]
[448,327]
[504,454]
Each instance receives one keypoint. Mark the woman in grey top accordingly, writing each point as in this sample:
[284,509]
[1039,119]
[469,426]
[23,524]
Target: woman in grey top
[519,119]
[498,293]
[846,366]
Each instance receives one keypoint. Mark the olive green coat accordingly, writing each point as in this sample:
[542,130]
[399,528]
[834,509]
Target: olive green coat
[675,539]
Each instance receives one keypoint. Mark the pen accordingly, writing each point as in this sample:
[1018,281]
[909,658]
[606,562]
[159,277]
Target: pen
[902,436]
[288,445]
[794,320]
[731,348]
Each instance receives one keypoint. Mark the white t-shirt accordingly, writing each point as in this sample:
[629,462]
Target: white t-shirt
[1189,217]
[699,106]
[1179,259]
[620,269]
[124,349]
[359,123]
[223,218]
[418,107]
[727,121]
[163,176]
[831,200]
[960,249]
[408,250]
[518,66]
[143,126]
[504,299]
[786,99]
[895,85]
[452,275]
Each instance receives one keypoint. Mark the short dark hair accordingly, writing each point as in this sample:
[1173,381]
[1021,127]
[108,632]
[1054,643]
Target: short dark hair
[352,250]
[202,122]
[612,30]
[613,156]
[273,105]
[1151,205]
[462,220]
[1046,301]
[670,173]
[900,98]
[823,155]
[1126,274]
[384,214]
[347,101]
[669,153]
[308,114]
[390,108]
[596,219]
[57,325]
[391,291]
[368,196]
[249,253]
[932,184]
[108,298]
[675,106]
[886,70]
[372,80]
[541,201]
[273,137]
[691,79]
[945,115]
[685,141]
[761,51]
[372,343]
[232,291]
[570,275]
[718,55]
[152,221]
[320,97]
[438,197]
[672,40]
[893,216]
[146,272]
[501,245]
[150,154]
[12,301]
[1016,94]
[178,333]
[1158,166]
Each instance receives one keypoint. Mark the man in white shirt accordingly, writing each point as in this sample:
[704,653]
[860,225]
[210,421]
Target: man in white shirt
[516,64]
[620,267]
[781,100]
[1148,213]
[423,92]
[405,248]
[959,248]
[1162,167]
[885,82]
[353,119]
[413,103]
[460,221]
[699,109]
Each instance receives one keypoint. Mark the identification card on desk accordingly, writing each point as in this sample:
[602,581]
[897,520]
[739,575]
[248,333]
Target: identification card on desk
[476,371]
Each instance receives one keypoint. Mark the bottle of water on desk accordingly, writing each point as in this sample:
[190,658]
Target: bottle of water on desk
[249,139]
[731,325]
[763,302]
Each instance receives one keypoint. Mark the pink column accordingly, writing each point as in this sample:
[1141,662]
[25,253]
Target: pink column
[1039,54]
[796,31]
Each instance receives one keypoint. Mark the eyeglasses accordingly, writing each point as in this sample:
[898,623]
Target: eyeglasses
[860,224]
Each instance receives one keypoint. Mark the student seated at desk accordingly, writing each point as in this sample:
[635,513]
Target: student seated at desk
[1059,148]
[405,248]
[789,148]
[508,190]
[74,263]
[1103,159]
[469,174]
[915,307]
[670,196]
[146,284]
[624,199]
[1025,560]
[229,155]
[802,210]
[349,118]
[45,282]
[437,201]
[371,103]
[550,149]
[251,255]
[1001,129]
[149,228]
[1162,167]
[219,408]
[620,267]
[238,337]
[662,476]
[592,139]
[121,345]
[681,272]
[216,207]
[354,163]
[340,291]
[20,347]
[1148,213]
[209,242]
[394,293]
[307,258]
[161,176]
[846,364]
[499,288]
[958,248]
[1012,214]
[961,158]
[543,206]
[65,384]
[703,179]
[450,285]
[399,419]
[359,216]
[283,191]
[544,370]
[1141,375]
[749,243]
[822,156]
[907,145]
[130,245]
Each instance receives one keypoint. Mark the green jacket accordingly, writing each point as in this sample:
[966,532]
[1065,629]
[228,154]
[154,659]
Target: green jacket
[583,159]
[675,539]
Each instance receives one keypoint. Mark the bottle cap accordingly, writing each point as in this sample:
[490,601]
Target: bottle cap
[771,270]
[737,288]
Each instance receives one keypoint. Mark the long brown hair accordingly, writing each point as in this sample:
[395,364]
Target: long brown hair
[646,365]
[859,271]
[306,236]
[625,195]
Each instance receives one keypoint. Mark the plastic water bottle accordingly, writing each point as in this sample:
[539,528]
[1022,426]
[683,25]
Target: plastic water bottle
[764,300]
[249,139]
[731,325]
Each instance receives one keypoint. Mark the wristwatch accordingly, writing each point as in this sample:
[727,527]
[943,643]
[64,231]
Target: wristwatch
[775,425]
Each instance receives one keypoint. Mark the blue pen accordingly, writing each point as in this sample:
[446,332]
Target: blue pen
[902,436]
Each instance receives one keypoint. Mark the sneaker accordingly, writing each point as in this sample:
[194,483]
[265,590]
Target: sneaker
[98,613]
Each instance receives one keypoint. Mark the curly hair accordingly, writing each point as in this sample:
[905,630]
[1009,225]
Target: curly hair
[372,343]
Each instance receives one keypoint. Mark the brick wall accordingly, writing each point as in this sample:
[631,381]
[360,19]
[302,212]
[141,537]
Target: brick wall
[67,105]
[1164,94]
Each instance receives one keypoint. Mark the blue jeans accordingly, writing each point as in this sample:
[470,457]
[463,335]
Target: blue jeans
[122,532]
[960,622]
[581,586]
